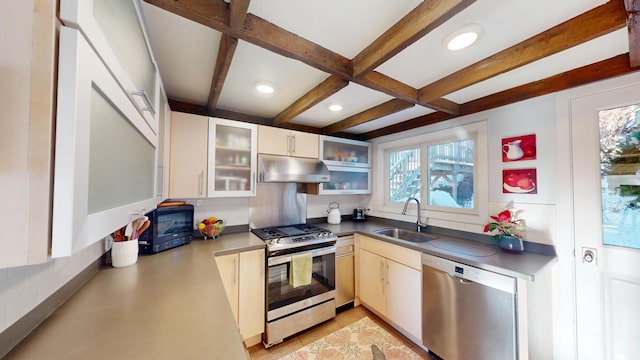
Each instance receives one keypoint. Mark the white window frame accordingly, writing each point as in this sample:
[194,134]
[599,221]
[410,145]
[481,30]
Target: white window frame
[476,131]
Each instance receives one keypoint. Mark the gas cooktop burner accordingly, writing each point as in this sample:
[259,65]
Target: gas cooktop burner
[292,236]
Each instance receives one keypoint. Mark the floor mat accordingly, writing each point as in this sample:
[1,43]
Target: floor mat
[354,342]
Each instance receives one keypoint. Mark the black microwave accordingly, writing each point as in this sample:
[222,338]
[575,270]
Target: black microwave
[170,227]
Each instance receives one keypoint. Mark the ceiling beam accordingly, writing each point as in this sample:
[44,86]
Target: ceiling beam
[587,26]
[238,13]
[397,89]
[223,63]
[416,24]
[376,112]
[633,27]
[257,31]
[328,87]
[616,66]
[280,41]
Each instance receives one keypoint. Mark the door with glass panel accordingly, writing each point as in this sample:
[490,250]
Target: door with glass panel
[605,130]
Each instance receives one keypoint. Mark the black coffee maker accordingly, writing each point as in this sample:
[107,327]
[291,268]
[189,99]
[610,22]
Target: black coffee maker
[358,214]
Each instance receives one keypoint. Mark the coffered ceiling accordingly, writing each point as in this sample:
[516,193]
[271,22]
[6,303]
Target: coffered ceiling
[383,61]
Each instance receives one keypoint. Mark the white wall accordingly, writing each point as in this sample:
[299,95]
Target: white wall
[535,116]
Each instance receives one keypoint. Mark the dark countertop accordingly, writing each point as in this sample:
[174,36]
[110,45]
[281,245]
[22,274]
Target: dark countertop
[524,266]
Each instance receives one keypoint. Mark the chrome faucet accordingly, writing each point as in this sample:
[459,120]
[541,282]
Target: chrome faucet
[404,212]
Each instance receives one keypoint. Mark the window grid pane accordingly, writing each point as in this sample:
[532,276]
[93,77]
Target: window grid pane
[404,174]
[450,175]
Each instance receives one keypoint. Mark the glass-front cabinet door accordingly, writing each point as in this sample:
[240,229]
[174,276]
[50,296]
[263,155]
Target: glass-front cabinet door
[346,180]
[344,152]
[232,158]
[105,168]
[113,27]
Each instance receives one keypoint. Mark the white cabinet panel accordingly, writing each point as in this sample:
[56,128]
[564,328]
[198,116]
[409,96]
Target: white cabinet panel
[276,141]
[28,65]
[243,280]
[372,271]
[391,288]
[188,156]
[251,293]
[404,297]
[114,29]
[102,176]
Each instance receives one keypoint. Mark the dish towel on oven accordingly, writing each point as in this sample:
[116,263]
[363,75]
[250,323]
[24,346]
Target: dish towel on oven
[300,270]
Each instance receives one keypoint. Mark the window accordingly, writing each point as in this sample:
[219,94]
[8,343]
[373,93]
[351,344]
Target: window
[404,174]
[450,177]
[440,169]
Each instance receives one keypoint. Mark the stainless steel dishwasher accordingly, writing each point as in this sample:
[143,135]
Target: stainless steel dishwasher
[467,313]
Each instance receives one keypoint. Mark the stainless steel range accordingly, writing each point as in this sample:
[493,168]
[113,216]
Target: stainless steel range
[292,306]
[281,238]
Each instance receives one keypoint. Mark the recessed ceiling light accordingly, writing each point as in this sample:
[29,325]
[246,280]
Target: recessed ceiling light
[265,87]
[463,37]
[335,107]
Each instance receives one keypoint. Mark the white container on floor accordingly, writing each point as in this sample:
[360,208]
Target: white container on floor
[124,253]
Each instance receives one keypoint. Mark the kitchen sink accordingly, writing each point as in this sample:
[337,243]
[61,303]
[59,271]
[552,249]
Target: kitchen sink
[405,235]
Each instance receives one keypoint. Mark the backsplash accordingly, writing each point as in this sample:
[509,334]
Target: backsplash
[23,288]
[235,211]
[317,205]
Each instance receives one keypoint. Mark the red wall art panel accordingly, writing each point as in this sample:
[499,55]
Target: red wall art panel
[519,181]
[519,148]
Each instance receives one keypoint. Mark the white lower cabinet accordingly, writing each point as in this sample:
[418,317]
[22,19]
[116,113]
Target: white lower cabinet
[404,297]
[390,283]
[243,279]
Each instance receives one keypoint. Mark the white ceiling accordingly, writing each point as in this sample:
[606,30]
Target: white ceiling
[186,52]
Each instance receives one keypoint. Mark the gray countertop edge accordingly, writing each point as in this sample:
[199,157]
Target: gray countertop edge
[523,266]
[527,265]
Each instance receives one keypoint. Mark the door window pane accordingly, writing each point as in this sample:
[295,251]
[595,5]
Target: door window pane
[404,174]
[450,174]
[620,175]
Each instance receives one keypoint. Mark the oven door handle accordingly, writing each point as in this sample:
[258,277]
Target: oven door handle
[283,259]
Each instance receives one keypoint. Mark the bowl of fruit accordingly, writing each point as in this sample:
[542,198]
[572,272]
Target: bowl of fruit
[211,227]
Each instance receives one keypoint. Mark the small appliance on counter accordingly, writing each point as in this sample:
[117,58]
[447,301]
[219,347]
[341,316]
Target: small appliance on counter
[359,214]
[171,226]
[334,217]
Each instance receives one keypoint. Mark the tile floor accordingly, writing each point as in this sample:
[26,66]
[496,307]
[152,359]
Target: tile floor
[342,319]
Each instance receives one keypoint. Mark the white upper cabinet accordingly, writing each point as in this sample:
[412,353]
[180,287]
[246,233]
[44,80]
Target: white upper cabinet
[349,163]
[188,156]
[27,68]
[105,166]
[345,152]
[276,141]
[114,28]
[232,158]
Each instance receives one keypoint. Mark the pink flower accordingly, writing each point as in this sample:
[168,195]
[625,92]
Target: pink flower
[505,224]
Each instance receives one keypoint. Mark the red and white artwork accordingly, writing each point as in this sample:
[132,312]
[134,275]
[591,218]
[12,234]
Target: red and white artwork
[519,181]
[519,148]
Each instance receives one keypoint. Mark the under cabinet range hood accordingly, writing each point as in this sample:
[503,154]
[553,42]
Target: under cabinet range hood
[288,169]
